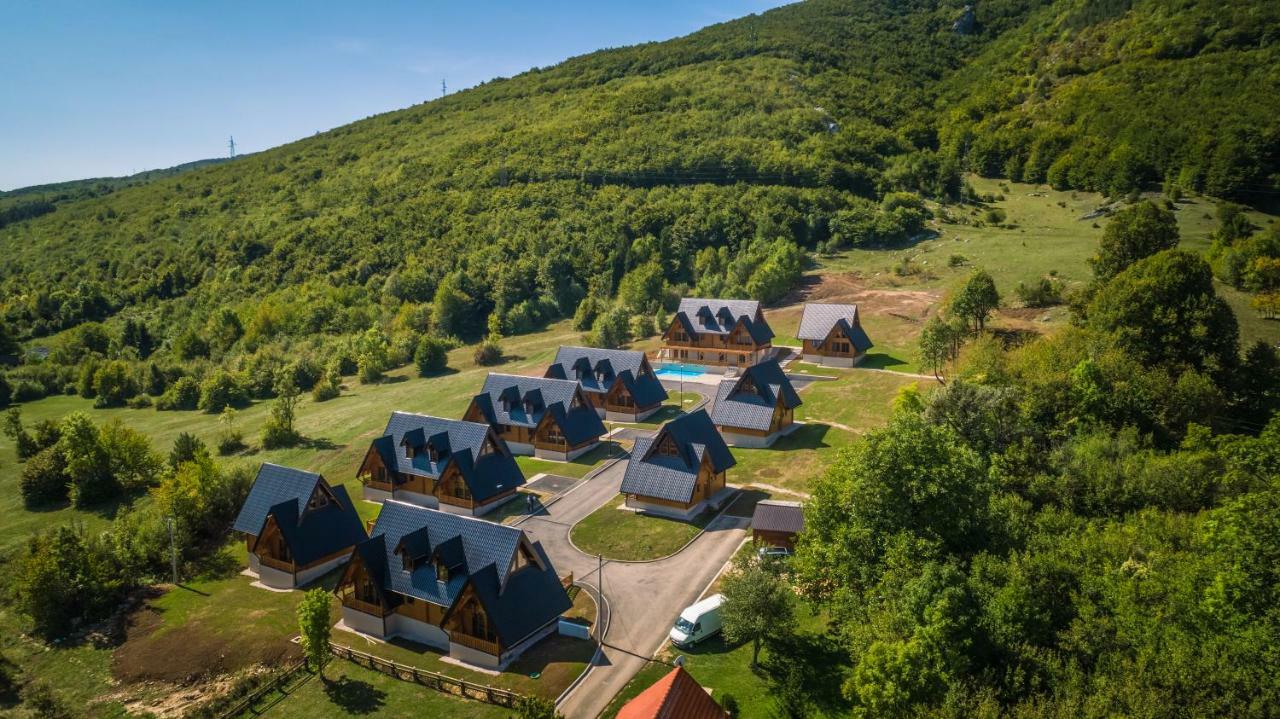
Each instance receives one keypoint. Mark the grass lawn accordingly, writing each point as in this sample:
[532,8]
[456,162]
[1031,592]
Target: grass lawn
[726,669]
[352,690]
[576,468]
[630,536]
[792,462]
[671,409]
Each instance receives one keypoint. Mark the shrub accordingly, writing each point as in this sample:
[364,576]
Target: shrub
[279,430]
[488,353]
[27,391]
[328,388]
[1042,293]
[67,577]
[113,384]
[611,329]
[44,478]
[430,356]
[305,372]
[141,401]
[221,390]
[182,394]
[6,391]
[957,260]
[368,370]
[39,698]
[23,441]
[88,466]
[995,216]
[131,462]
[186,448]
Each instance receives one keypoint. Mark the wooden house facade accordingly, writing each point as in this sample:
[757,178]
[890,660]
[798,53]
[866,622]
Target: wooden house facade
[757,407]
[462,467]
[296,527]
[619,384]
[547,418]
[681,471]
[832,335]
[720,333]
[480,591]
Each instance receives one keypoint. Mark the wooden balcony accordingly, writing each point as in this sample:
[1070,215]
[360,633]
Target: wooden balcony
[276,563]
[455,501]
[366,607]
[475,643]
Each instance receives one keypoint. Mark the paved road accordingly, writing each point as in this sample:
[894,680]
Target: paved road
[644,597]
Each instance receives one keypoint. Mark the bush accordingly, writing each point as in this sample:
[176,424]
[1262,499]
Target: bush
[6,391]
[305,373]
[430,356]
[113,384]
[27,391]
[368,371]
[131,462]
[957,261]
[39,698]
[611,329]
[24,443]
[141,401]
[88,466]
[221,390]
[1042,293]
[186,448]
[488,353]
[44,478]
[995,216]
[182,394]
[67,577]
[328,388]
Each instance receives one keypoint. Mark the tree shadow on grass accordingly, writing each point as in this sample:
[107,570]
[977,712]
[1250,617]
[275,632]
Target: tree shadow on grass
[820,659]
[354,696]
[319,443]
[881,360]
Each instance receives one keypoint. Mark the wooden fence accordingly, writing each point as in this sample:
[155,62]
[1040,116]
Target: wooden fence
[253,697]
[431,680]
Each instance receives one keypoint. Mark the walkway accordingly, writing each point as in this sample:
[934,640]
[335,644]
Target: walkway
[644,598]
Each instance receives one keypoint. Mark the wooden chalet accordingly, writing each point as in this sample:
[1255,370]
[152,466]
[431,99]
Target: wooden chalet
[726,333]
[757,407]
[548,418]
[461,467]
[776,523]
[675,696]
[680,471]
[296,526]
[832,335]
[619,384]
[480,591]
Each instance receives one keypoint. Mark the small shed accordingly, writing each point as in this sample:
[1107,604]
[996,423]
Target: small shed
[777,523]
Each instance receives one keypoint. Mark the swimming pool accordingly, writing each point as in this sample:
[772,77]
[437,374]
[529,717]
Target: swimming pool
[678,371]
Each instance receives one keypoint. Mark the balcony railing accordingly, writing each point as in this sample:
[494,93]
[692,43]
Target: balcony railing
[276,563]
[366,607]
[476,643]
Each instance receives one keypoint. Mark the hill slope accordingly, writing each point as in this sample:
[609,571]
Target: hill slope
[527,193]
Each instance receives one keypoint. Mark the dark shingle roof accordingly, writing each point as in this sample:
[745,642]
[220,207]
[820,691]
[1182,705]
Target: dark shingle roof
[777,516]
[818,319]
[613,366]
[578,424]
[749,400]
[283,493]
[477,551]
[710,316]
[673,478]
[456,440]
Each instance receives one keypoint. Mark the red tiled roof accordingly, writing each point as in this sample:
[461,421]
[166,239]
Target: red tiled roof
[675,696]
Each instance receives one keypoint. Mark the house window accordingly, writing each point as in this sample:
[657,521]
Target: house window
[433,454]
[460,491]
[380,474]
[442,572]
[555,435]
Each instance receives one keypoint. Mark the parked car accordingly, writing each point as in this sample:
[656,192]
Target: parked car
[697,622]
[774,552]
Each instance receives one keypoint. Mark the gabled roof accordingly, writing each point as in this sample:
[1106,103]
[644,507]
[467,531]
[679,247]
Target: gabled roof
[455,440]
[478,552]
[818,319]
[651,474]
[597,370]
[675,696]
[711,316]
[283,493]
[748,401]
[553,396]
[773,515]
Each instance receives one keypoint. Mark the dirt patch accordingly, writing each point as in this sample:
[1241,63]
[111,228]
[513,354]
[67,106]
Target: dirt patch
[850,287]
[166,699]
[185,656]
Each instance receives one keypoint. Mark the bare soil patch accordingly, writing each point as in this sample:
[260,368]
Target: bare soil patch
[850,287]
[188,654]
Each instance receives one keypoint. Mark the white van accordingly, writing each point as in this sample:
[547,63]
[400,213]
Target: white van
[697,622]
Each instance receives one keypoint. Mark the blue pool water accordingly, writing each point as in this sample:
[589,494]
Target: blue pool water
[676,371]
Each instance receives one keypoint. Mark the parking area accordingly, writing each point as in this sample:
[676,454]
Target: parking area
[551,484]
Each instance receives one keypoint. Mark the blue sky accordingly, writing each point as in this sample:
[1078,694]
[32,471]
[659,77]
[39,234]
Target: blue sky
[109,88]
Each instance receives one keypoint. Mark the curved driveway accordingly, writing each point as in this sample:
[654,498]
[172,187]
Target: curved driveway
[644,598]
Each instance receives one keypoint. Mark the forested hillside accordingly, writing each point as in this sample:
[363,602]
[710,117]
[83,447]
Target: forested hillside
[525,195]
